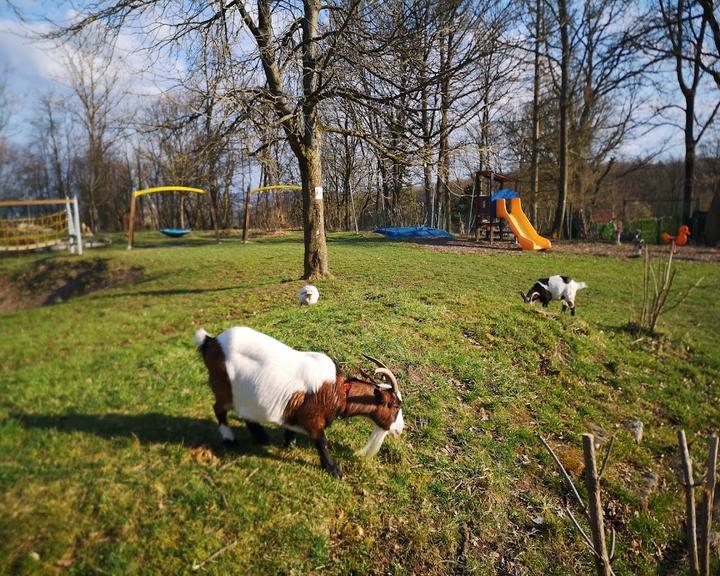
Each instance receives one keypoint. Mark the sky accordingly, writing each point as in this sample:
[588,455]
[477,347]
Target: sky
[32,68]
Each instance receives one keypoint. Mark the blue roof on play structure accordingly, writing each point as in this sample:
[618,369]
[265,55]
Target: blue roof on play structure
[414,232]
[504,194]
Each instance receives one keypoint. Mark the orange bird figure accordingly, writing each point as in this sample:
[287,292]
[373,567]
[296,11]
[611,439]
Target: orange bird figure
[679,240]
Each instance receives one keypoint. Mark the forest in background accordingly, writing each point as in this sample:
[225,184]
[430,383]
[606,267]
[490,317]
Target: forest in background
[406,102]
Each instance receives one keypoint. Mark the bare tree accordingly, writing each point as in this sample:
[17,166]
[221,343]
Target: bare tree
[95,86]
[678,35]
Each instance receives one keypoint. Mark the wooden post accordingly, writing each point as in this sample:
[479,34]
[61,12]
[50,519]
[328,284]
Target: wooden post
[76,220]
[689,504]
[246,220]
[131,224]
[592,483]
[706,520]
[71,225]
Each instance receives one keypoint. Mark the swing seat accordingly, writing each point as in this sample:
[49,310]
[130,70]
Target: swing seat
[175,232]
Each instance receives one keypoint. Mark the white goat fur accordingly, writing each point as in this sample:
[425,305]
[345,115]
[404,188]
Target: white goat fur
[308,294]
[561,291]
[265,373]
[558,290]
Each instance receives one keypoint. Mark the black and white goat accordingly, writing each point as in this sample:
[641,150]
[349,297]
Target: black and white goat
[561,288]
[264,381]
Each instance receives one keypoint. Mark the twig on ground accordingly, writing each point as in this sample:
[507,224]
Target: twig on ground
[217,489]
[566,476]
[197,566]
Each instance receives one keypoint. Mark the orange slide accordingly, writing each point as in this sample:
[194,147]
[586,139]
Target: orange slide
[526,235]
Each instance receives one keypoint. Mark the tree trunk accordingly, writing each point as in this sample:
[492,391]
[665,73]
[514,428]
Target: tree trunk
[535,145]
[564,103]
[442,190]
[689,178]
[313,217]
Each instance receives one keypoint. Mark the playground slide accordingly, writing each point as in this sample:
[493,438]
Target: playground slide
[524,231]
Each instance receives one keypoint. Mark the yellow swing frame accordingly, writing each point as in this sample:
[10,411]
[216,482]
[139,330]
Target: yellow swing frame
[131,224]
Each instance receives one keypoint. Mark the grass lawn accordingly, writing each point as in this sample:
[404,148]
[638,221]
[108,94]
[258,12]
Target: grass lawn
[111,461]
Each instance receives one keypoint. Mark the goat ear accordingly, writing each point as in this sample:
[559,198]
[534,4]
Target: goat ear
[378,396]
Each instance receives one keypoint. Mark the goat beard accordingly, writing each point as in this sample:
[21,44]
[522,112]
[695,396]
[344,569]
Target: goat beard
[377,437]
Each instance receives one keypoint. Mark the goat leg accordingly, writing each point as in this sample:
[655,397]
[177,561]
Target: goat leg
[259,434]
[225,430]
[326,460]
[290,439]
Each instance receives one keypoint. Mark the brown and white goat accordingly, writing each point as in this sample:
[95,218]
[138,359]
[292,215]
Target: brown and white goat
[264,381]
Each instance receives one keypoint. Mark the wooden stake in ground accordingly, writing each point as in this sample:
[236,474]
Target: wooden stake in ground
[709,491]
[593,512]
[592,483]
[689,504]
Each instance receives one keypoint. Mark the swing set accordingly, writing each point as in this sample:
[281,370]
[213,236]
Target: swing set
[246,218]
[170,232]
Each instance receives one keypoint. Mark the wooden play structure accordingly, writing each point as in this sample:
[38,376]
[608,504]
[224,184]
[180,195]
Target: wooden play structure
[35,232]
[171,232]
[492,214]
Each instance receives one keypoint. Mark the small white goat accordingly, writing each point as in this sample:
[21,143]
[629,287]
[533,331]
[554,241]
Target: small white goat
[265,381]
[561,288]
[308,295]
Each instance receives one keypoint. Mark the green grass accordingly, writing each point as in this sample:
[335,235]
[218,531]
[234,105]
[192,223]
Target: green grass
[104,413]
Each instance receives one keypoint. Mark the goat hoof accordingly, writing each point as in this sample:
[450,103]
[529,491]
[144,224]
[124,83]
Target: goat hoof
[290,444]
[332,469]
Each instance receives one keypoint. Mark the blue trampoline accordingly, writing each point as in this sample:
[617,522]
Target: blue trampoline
[175,232]
[414,232]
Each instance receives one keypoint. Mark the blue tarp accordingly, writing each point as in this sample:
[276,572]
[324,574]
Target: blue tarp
[414,232]
[504,194]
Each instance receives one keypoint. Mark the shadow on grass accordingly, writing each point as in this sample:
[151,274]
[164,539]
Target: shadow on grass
[170,292]
[155,428]
[178,243]
[674,559]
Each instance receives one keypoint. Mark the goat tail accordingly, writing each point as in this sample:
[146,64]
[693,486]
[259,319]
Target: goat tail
[581,285]
[201,337]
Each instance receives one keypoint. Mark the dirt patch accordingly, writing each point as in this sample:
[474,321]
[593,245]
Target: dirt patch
[53,281]
[466,245]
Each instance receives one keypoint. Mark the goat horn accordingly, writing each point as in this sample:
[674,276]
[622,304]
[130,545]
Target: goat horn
[382,369]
